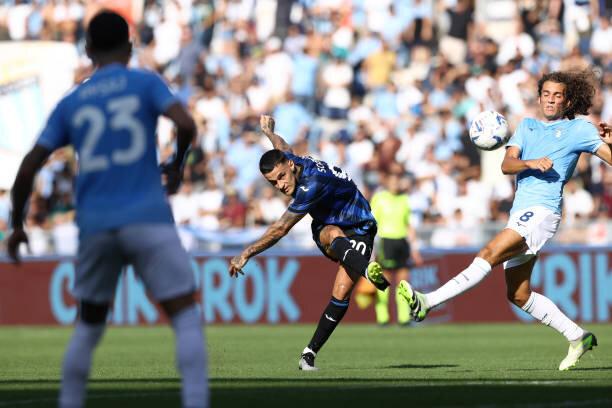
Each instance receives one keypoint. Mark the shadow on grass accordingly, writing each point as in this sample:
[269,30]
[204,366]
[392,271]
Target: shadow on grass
[305,379]
[333,392]
[422,366]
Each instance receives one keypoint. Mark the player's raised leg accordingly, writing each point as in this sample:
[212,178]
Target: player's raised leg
[502,247]
[331,317]
[356,265]
[543,309]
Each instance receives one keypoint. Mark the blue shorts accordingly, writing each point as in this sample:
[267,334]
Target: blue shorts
[363,242]
[155,252]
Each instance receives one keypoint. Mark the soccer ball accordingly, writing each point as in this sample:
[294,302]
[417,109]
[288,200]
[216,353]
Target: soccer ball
[489,130]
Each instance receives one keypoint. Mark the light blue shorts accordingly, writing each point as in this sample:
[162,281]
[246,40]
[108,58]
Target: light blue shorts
[155,252]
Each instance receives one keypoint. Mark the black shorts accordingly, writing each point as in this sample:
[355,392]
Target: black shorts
[393,253]
[364,243]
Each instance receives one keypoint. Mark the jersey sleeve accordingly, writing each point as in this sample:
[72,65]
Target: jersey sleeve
[588,138]
[518,137]
[55,133]
[307,196]
[161,96]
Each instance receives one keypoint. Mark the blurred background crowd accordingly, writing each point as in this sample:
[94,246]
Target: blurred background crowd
[372,86]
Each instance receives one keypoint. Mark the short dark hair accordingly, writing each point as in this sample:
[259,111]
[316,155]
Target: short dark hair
[579,90]
[270,159]
[107,31]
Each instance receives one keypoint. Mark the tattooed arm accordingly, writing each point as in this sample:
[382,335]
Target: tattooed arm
[272,235]
[267,127]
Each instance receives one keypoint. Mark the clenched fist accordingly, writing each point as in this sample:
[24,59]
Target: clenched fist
[544,164]
[605,132]
[267,124]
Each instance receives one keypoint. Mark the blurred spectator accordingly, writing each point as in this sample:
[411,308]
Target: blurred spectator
[453,46]
[269,208]
[336,78]
[234,211]
[292,120]
[577,202]
[370,86]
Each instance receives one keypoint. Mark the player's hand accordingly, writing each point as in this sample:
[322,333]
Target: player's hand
[267,124]
[172,175]
[544,164]
[236,265]
[17,237]
[605,132]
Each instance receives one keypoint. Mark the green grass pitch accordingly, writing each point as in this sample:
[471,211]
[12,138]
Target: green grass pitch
[361,366]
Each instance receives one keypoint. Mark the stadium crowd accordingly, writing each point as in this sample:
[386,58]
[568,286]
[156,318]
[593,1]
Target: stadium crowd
[373,86]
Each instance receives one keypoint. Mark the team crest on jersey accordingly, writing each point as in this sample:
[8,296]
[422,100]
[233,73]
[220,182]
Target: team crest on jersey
[558,133]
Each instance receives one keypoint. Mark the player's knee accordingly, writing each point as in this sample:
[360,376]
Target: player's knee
[175,305]
[488,254]
[93,313]
[328,234]
[518,297]
[342,291]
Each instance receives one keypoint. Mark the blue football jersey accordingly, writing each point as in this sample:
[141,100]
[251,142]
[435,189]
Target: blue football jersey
[330,196]
[111,121]
[562,141]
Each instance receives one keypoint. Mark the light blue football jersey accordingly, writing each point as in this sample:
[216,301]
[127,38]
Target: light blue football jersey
[111,121]
[562,141]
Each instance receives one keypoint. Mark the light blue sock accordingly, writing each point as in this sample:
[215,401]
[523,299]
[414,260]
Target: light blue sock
[77,362]
[191,357]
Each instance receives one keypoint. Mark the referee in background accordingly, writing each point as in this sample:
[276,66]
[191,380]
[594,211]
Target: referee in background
[391,209]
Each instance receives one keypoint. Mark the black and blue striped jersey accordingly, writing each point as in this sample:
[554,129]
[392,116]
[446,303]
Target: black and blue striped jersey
[330,196]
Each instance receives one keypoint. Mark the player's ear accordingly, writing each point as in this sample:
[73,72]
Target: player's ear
[291,165]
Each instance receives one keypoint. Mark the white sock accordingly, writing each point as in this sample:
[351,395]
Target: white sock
[543,309]
[191,357]
[77,362]
[467,279]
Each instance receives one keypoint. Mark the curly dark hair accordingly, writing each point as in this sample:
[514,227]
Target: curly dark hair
[580,89]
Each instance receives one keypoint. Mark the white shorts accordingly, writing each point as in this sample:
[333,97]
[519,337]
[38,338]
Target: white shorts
[155,252]
[537,225]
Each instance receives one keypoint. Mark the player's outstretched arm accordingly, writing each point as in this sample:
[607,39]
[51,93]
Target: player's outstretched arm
[272,235]
[267,127]
[605,150]
[513,165]
[22,188]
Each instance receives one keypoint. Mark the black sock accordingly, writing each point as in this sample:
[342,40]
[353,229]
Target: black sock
[334,312]
[352,260]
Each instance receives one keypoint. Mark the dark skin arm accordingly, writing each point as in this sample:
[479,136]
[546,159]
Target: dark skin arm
[272,235]
[185,133]
[22,188]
